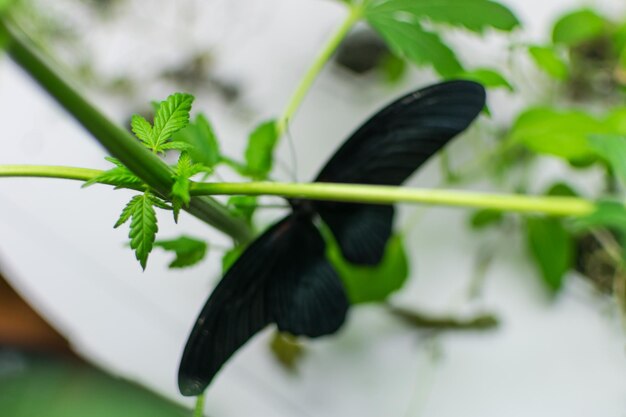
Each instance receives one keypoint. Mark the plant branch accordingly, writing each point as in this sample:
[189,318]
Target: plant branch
[355,13]
[117,141]
[357,193]
[382,194]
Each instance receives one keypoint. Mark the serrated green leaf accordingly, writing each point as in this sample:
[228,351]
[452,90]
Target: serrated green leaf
[243,206]
[486,217]
[180,195]
[127,211]
[408,39]
[143,228]
[159,203]
[176,145]
[552,248]
[372,284]
[189,251]
[611,148]
[579,26]
[547,59]
[487,77]
[143,130]
[120,177]
[559,133]
[184,165]
[475,15]
[260,151]
[200,136]
[114,161]
[172,116]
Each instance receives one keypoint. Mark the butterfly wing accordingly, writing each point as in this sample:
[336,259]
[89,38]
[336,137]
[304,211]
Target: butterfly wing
[307,296]
[386,150]
[281,277]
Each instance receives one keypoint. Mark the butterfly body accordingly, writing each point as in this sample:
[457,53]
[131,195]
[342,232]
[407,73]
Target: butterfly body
[283,277]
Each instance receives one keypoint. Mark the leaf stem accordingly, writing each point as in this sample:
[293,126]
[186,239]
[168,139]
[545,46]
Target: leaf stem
[199,409]
[356,193]
[355,13]
[116,140]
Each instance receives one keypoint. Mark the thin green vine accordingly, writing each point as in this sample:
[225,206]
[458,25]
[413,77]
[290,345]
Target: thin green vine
[354,15]
[378,194]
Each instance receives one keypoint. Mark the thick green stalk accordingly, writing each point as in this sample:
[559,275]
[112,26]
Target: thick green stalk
[116,140]
[358,193]
[354,15]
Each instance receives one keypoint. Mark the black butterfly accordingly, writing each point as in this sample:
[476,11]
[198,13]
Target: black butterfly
[283,277]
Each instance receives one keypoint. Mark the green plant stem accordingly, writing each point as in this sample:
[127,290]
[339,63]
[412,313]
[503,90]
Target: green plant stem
[199,409]
[355,13]
[49,171]
[380,194]
[359,193]
[116,140]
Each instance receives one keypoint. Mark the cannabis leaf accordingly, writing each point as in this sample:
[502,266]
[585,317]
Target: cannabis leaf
[185,169]
[127,211]
[172,115]
[120,176]
[143,225]
[189,251]
[142,129]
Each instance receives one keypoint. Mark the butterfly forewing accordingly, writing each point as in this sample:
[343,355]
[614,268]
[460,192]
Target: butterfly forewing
[282,277]
[386,150]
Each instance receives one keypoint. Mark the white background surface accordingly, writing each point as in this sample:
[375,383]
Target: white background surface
[561,358]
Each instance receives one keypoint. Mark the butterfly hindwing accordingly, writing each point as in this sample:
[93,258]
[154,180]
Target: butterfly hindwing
[386,150]
[282,277]
[308,297]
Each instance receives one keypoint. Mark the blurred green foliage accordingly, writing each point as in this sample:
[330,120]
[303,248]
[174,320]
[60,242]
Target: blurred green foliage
[32,385]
